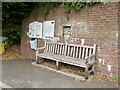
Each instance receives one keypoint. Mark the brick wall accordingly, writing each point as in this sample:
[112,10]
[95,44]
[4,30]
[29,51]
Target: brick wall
[96,24]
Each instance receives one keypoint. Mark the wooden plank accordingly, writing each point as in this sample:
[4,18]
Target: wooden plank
[46,48]
[63,50]
[71,51]
[86,53]
[60,49]
[66,45]
[94,48]
[56,48]
[68,50]
[50,47]
[83,52]
[80,52]
[60,43]
[45,45]
[53,48]
[76,45]
[77,52]
[65,59]
[90,51]
[74,52]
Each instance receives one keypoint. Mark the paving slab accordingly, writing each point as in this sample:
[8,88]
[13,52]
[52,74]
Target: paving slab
[22,74]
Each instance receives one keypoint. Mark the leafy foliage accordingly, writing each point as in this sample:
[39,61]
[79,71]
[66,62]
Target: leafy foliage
[13,32]
[77,5]
[49,5]
[14,12]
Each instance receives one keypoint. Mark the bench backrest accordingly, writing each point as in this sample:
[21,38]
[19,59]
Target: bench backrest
[72,50]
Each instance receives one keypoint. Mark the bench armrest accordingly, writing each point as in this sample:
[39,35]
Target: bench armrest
[37,50]
[90,59]
[40,48]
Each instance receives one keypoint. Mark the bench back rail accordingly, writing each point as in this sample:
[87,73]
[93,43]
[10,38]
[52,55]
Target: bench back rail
[72,50]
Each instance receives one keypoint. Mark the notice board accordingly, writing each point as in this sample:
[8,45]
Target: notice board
[48,29]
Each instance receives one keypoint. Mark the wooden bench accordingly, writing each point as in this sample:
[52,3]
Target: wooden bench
[73,54]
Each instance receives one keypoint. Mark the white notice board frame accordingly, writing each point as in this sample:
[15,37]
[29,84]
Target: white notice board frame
[48,29]
[35,30]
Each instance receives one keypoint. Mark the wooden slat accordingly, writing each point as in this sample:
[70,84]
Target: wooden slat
[48,48]
[71,51]
[60,49]
[74,52]
[77,52]
[76,45]
[66,45]
[63,49]
[60,43]
[83,53]
[68,50]
[52,48]
[86,53]
[94,48]
[80,52]
[55,48]
[90,51]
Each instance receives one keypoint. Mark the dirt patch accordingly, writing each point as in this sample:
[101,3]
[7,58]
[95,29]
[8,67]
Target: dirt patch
[12,53]
[64,67]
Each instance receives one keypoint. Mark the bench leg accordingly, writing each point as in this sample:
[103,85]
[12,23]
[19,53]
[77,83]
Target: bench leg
[38,61]
[36,58]
[93,69]
[86,73]
[57,65]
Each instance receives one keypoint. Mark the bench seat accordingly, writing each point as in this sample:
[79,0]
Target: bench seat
[64,59]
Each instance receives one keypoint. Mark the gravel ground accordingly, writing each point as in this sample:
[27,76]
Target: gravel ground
[21,74]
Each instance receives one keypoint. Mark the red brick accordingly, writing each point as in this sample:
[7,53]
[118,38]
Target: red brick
[98,24]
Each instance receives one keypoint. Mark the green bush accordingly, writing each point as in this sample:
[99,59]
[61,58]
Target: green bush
[13,32]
